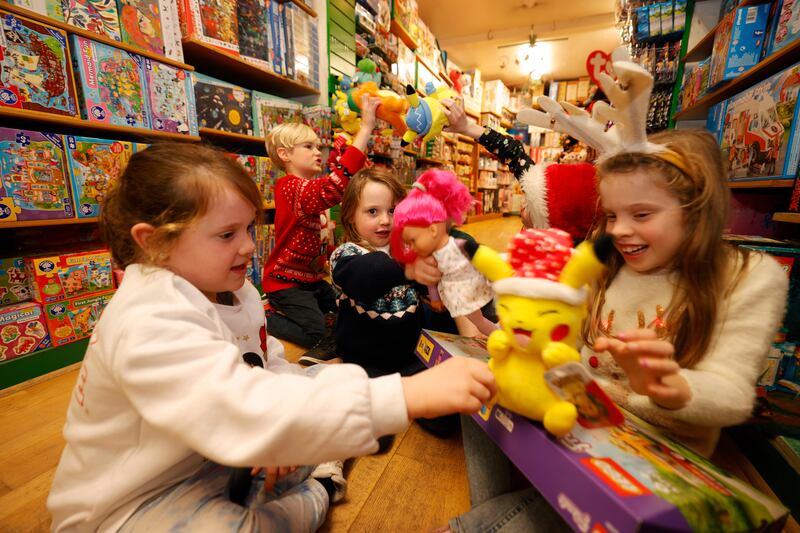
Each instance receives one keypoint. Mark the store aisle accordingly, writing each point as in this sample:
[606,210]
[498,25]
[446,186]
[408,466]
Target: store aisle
[425,473]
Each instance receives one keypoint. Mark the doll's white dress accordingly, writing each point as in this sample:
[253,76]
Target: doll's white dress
[462,288]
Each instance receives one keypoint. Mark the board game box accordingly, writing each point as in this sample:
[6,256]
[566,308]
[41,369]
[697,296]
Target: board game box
[140,24]
[33,176]
[112,84]
[269,111]
[759,132]
[212,21]
[75,318]
[22,330]
[97,16]
[56,277]
[94,166]
[14,285]
[785,25]
[35,68]
[738,41]
[222,106]
[254,43]
[170,98]
[628,477]
[171,29]
[50,8]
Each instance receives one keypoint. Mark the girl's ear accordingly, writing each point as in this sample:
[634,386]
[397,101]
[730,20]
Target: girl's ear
[141,233]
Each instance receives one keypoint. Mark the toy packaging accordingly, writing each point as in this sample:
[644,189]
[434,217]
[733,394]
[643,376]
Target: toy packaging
[759,133]
[269,111]
[14,285]
[716,114]
[306,47]
[628,477]
[140,24]
[94,166]
[35,72]
[22,330]
[785,26]
[276,37]
[97,16]
[57,277]
[171,29]
[269,175]
[112,84]
[738,42]
[254,42]
[74,319]
[214,22]
[33,176]
[170,98]
[51,8]
[222,106]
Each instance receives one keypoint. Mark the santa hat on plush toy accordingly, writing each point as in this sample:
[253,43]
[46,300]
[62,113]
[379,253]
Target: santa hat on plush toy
[537,257]
[562,196]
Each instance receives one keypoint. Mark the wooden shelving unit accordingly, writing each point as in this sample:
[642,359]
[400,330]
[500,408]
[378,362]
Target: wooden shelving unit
[39,363]
[764,69]
[402,34]
[302,5]
[705,45]
[27,119]
[430,161]
[53,222]
[69,28]
[236,70]
[219,135]
[760,184]
[787,217]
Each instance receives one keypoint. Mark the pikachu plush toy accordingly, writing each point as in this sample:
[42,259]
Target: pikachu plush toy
[541,304]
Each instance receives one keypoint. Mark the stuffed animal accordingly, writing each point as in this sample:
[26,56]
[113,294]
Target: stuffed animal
[541,304]
[426,116]
[391,109]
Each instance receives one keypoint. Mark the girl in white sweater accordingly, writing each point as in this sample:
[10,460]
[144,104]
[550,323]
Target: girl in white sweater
[164,397]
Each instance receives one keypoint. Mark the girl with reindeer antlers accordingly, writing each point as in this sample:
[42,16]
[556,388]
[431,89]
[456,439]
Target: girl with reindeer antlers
[680,324]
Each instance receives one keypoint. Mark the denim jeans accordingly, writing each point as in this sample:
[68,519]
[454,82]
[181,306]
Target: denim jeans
[501,499]
[303,311]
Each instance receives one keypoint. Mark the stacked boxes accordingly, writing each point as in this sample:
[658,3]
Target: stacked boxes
[738,42]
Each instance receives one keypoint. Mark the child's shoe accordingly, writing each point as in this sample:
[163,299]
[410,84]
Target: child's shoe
[322,352]
[331,476]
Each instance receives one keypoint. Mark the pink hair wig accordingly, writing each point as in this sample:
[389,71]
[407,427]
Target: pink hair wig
[437,196]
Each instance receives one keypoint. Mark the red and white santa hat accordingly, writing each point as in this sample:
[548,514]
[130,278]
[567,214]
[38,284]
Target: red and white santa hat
[537,257]
[562,195]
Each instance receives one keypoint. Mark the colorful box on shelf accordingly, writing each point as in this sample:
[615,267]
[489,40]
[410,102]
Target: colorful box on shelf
[269,111]
[213,22]
[112,84]
[58,277]
[14,283]
[222,106]
[97,16]
[171,29]
[33,177]
[738,42]
[94,166]
[49,8]
[140,24]
[35,66]
[74,318]
[785,26]
[760,137]
[624,478]
[254,33]
[170,98]
[22,330]
[716,116]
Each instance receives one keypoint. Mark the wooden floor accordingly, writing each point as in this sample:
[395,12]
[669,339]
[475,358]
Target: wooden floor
[390,492]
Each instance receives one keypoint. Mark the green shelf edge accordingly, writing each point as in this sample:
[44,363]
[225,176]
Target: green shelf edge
[39,363]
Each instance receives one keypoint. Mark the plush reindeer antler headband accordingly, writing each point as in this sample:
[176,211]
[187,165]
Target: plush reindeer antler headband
[630,96]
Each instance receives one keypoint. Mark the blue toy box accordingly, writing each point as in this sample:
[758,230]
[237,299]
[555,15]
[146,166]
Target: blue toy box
[759,132]
[738,42]
[170,98]
[785,26]
[33,176]
[716,115]
[112,84]
[94,166]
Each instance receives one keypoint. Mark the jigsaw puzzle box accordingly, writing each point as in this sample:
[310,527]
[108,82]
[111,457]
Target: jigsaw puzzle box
[628,477]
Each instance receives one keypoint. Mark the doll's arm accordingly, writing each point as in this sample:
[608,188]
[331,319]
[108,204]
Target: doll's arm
[559,353]
[498,344]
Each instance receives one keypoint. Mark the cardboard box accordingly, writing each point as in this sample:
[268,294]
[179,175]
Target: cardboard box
[738,42]
[785,26]
[626,478]
[170,98]
[74,319]
[57,277]
[22,330]
[14,283]
[94,166]
[211,21]
[222,106]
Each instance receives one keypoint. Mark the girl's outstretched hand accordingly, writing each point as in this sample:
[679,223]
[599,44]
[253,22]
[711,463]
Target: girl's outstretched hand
[648,363]
[457,119]
[458,385]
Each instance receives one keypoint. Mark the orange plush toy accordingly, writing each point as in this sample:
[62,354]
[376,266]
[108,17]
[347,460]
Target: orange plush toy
[391,109]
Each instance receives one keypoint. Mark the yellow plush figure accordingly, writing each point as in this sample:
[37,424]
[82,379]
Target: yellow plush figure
[541,304]
[426,117]
[348,119]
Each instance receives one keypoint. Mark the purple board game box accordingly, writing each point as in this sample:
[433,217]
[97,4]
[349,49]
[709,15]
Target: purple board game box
[628,477]
[112,84]
[33,177]
[170,98]
[35,72]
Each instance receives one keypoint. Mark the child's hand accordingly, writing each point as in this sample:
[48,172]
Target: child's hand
[458,385]
[369,104]
[648,363]
[424,270]
[457,118]
[274,473]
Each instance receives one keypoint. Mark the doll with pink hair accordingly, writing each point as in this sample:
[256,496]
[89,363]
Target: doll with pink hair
[420,229]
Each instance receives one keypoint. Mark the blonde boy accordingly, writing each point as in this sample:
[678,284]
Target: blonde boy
[293,275]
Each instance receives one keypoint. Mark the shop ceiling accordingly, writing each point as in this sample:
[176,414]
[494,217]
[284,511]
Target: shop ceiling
[476,33]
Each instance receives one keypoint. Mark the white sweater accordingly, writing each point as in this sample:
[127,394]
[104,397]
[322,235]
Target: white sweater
[163,386]
[723,382]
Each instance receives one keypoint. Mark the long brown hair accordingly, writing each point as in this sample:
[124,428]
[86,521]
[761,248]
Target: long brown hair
[168,185]
[707,268]
[352,198]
